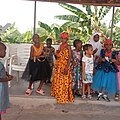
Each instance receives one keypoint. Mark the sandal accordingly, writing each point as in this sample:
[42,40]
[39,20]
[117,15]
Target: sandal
[28,92]
[40,92]
[117,97]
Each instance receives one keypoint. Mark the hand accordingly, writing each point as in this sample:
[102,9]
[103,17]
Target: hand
[10,77]
[113,60]
[103,59]
[95,50]
[65,71]
[57,51]
[84,77]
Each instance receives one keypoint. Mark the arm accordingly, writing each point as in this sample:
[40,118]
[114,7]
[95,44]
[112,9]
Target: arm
[70,55]
[83,70]
[31,53]
[9,78]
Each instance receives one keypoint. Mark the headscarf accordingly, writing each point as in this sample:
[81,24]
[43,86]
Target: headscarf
[108,41]
[64,35]
[96,44]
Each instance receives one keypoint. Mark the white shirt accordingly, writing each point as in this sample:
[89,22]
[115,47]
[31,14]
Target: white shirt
[89,63]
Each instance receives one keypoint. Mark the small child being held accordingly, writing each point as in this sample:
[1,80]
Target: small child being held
[4,78]
[49,53]
[87,70]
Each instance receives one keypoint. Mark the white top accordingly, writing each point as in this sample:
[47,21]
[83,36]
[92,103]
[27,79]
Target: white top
[89,63]
[96,45]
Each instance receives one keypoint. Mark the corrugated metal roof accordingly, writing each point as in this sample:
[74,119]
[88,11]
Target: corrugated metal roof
[87,2]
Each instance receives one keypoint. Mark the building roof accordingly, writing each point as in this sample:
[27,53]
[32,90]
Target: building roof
[87,2]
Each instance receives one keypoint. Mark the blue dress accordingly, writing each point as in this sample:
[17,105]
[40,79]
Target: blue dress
[4,97]
[105,79]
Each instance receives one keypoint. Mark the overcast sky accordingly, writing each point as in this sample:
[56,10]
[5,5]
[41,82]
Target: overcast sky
[22,13]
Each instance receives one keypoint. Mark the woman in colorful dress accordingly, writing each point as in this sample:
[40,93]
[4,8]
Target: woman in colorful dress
[77,66]
[62,78]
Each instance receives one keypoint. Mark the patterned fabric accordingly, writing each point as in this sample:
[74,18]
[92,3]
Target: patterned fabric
[76,69]
[89,78]
[62,84]
[4,98]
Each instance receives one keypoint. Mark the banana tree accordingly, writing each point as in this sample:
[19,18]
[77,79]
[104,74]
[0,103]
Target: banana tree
[52,31]
[85,20]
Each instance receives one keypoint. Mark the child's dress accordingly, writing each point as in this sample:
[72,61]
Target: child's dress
[105,79]
[4,96]
[37,69]
[88,69]
[62,84]
[76,69]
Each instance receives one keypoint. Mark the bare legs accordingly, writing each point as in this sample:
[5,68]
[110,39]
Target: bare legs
[40,85]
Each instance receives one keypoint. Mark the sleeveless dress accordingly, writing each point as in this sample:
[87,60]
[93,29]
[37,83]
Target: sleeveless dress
[105,79]
[37,69]
[4,96]
[62,84]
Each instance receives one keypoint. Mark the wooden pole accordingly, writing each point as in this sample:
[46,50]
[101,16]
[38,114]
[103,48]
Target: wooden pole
[112,25]
[34,29]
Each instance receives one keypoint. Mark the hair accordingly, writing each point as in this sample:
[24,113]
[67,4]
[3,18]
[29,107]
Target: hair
[76,41]
[35,35]
[49,40]
[2,46]
[86,46]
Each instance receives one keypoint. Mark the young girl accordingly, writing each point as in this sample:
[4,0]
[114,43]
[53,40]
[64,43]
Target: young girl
[105,79]
[39,67]
[118,75]
[77,66]
[95,42]
[49,53]
[4,78]
[87,70]
[62,78]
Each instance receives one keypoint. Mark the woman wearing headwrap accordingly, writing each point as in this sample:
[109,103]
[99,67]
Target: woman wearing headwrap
[105,80]
[62,78]
[95,42]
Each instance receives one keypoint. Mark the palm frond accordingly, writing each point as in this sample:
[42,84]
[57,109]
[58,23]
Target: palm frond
[103,12]
[45,26]
[74,10]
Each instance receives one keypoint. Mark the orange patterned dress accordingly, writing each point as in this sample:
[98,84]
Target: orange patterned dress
[62,84]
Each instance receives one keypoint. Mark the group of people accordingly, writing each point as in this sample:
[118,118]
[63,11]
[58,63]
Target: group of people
[79,71]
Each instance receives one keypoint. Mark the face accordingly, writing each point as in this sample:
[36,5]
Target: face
[63,40]
[36,39]
[90,51]
[79,46]
[96,38]
[49,44]
[108,46]
[3,52]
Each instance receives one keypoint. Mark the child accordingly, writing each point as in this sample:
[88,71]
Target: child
[105,80]
[118,75]
[87,70]
[49,52]
[4,78]
[77,66]
[38,66]
[62,78]
[95,42]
